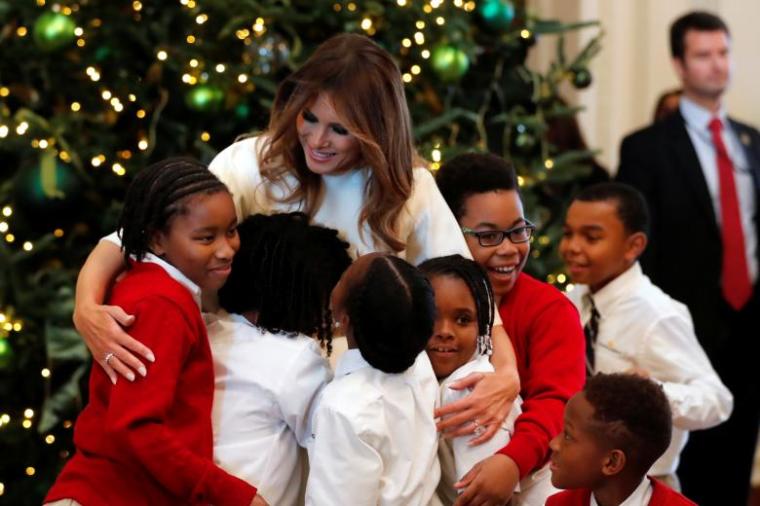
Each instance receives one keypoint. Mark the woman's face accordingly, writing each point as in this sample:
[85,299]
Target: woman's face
[329,148]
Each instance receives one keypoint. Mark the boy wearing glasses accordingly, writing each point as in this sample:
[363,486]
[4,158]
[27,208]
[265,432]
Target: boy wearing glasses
[482,192]
[635,327]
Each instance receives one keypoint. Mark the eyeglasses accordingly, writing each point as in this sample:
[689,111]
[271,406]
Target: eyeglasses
[517,235]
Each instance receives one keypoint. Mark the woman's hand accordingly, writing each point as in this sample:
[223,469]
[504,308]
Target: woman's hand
[490,482]
[102,328]
[484,410]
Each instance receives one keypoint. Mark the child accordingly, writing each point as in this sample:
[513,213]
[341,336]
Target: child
[266,358]
[614,430]
[150,441]
[638,328]
[482,192]
[460,345]
[375,441]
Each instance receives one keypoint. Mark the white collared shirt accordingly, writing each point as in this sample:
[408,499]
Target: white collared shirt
[641,326]
[456,455]
[175,274]
[697,121]
[426,223]
[375,441]
[265,385]
[639,497]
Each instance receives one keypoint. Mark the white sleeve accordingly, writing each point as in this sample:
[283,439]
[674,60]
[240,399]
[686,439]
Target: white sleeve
[436,232]
[113,238]
[237,166]
[344,467]
[299,388]
[673,356]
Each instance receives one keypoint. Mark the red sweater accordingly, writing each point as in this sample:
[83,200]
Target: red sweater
[149,442]
[546,333]
[662,495]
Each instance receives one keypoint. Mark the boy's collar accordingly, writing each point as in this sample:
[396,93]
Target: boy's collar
[615,289]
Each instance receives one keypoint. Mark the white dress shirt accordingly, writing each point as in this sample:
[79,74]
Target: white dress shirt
[641,326]
[697,121]
[375,441]
[264,387]
[426,223]
[639,497]
[456,455]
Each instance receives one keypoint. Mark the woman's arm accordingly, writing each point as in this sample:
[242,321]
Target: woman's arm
[101,325]
[491,399]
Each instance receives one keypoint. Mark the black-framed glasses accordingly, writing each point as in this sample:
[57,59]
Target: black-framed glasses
[516,235]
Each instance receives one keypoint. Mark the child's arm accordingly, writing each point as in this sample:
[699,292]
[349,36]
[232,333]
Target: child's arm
[137,415]
[300,384]
[672,356]
[101,325]
[490,482]
[344,467]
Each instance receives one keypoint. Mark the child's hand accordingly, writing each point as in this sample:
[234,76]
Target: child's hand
[483,411]
[259,501]
[490,482]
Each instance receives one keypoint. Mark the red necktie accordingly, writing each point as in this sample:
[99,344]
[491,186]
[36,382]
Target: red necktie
[737,288]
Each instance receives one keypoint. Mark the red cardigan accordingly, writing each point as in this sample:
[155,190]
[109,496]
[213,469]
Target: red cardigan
[662,495]
[149,442]
[546,333]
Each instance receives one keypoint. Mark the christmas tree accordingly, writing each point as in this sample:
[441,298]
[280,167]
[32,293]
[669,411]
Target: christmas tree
[93,90]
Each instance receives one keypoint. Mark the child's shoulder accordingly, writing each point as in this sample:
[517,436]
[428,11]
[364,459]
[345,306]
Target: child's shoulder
[534,296]
[148,283]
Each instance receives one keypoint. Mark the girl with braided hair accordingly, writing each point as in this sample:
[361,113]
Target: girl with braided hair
[266,349]
[460,345]
[149,441]
[375,441]
[339,147]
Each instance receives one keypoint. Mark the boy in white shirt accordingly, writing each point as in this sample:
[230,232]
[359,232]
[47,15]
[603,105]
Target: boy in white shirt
[461,345]
[630,324]
[375,441]
[266,349]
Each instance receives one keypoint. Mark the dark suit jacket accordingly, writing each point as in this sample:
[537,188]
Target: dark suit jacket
[684,252]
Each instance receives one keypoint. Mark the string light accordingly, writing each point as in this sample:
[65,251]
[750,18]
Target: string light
[205,136]
[4,91]
[561,278]
[81,43]
[401,3]
[97,161]
[407,78]
[118,169]
[30,471]
[137,6]
[190,39]
[440,21]
[21,31]
[420,25]
[27,424]
[28,413]
[520,181]
[406,42]
[569,288]
[337,7]
[220,67]
[419,38]
[425,53]
[549,164]
[162,55]
[58,232]
[140,113]
[416,69]
[525,33]
[45,373]
[3,131]
[7,211]
[242,78]
[351,6]
[3,229]
[258,26]
[50,439]
[193,63]
[366,24]
[76,106]
[22,128]
[201,18]
[142,145]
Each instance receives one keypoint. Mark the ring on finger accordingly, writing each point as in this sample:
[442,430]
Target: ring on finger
[479,429]
[108,357]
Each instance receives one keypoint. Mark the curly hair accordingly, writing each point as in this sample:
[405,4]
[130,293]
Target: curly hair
[471,173]
[285,270]
[391,310]
[633,414]
[157,194]
[476,279]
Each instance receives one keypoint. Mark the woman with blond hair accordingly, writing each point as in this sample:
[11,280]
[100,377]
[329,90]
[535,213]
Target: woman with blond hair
[339,147]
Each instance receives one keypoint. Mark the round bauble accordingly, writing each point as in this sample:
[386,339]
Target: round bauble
[449,63]
[53,30]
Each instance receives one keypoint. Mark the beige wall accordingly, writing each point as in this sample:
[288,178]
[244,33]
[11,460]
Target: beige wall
[634,65]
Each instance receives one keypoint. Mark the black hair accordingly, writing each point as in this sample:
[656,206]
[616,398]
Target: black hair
[391,311]
[631,205]
[696,20]
[476,279]
[471,173]
[285,270]
[158,193]
[634,416]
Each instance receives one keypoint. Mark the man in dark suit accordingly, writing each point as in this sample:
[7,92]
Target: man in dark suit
[700,173]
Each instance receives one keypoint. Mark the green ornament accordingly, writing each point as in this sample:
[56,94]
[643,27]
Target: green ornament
[205,98]
[449,63]
[53,31]
[524,140]
[497,14]
[242,111]
[6,353]
[581,78]
[48,195]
